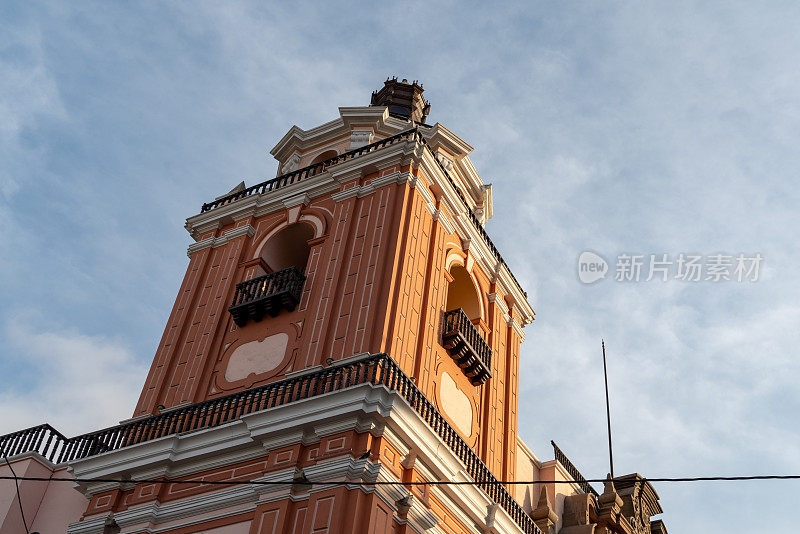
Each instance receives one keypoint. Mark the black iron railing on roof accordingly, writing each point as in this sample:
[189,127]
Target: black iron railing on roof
[43,439]
[466,345]
[312,170]
[476,222]
[572,470]
[379,370]
[267,294]
[317,168]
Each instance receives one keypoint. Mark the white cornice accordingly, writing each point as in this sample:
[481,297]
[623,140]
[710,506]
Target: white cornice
[430,202]
[301,199]
[36,457]
[363,406]
[466,230]
[235,500]
[328,182]
[463,170]
[261,204]
[374,117]
[501,303]
[214,242]
[361,191]
[444,219]
[439,135]
[518,329]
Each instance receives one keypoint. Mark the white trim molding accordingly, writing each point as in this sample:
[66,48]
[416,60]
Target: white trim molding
[213,242]
[364,407]
[360,191]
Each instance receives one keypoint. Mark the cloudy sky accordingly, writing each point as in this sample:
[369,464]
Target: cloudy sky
[622,128]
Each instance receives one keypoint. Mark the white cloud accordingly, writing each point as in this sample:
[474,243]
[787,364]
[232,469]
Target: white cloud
[76,382]
[634,128]
[28,92]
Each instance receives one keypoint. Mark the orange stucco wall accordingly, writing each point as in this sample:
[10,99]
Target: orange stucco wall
[377,281]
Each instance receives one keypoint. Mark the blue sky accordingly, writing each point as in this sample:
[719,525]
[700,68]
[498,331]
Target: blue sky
[640,128]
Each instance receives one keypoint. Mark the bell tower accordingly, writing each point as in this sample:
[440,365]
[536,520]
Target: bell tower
[370,240]
[342,357]
[346,322]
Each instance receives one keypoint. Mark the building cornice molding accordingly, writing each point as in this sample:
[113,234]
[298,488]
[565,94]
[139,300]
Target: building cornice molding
[466,231]
[301,199]
[181,513]
[36,457]
[518,329]
[360,191]
[262,204]
[430,202]
[213,242]
[376,408]
[439,135]
[499,301]
[375,118]
[326,183]
[444,219]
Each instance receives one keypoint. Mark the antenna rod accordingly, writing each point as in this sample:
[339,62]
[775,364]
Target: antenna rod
[608,411]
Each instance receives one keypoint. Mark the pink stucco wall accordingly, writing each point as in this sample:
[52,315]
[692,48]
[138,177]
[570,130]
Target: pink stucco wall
[50,506]
[61,505]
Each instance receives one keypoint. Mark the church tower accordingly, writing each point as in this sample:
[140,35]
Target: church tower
[346,336]
[370,240]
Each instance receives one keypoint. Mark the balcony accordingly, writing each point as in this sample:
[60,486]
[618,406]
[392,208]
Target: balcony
[467,347]
[267,294]
[379,370]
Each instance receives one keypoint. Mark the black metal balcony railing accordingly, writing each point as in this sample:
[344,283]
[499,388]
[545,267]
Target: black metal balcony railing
[267,294]
[379,370]
[43,439]
[466,345]
[312,170]
[572,470]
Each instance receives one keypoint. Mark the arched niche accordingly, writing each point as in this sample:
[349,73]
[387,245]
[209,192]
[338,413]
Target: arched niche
[322,156]
[288,247]
[462,293]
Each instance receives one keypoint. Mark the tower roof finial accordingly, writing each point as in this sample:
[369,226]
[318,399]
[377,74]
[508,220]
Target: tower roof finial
[403,99]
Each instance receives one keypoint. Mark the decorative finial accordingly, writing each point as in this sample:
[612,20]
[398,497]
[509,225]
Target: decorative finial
[608,485]
[403,99]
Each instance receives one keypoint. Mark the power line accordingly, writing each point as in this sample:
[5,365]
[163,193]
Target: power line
[388,483]
[19,497]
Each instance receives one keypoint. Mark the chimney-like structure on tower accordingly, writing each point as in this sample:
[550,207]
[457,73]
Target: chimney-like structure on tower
[403,99]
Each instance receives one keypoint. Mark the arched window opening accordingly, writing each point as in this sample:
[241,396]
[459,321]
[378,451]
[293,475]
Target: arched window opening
[284,256]
[462,293]
[460,336]
[328,154]
[289,247]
